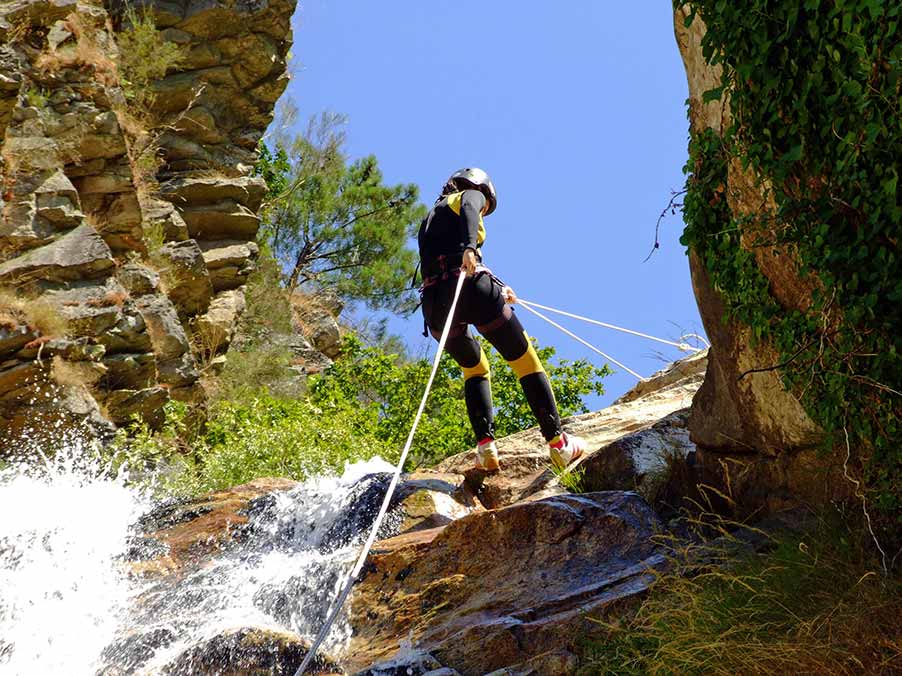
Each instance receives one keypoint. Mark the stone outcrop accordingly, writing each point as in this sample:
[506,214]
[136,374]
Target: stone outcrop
[148,265]
[754,413]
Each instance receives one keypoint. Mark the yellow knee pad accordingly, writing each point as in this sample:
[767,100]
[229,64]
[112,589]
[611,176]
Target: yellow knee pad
[481,369]
[528,363]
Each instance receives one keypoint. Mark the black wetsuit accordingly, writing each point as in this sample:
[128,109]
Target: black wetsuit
[453,225]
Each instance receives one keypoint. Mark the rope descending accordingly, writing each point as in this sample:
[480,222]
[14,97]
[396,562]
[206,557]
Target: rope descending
[361,559]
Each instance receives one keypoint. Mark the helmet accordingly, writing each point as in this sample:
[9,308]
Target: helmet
[472,177]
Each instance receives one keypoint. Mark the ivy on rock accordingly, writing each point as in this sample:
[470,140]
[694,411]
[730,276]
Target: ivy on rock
[814,92]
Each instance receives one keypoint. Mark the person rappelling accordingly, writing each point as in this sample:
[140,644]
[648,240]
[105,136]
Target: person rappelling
[450,240]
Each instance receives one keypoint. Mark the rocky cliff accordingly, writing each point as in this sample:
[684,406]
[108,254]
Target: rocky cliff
[133,227]
[756,439]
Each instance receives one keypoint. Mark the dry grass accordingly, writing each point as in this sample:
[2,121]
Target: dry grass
[85,53]
[815,603]
[37,314]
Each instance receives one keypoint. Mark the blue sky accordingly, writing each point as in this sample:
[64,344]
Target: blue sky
[576,110]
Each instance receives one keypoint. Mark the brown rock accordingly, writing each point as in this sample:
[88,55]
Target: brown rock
[185,274]
[753,412]
[79,254]
[121,406]
[495,589]
[193,531]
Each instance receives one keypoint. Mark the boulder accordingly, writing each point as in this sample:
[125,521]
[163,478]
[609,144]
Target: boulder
[227,219]
[250,651]
[526,469]
[229,262]
[213,330]
[126,371]
[183,191]
[79,254]
[322,329]
[166,332]
[166,217]
[137,279]
[496,589]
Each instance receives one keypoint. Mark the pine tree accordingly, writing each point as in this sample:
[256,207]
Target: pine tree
[333,223]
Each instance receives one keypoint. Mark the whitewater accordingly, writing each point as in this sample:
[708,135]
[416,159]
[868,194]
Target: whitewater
[70,602]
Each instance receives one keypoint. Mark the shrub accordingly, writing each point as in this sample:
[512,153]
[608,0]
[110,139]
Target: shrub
[814,603]
[144,58]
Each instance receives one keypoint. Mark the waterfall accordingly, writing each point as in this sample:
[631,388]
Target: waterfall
[70,602]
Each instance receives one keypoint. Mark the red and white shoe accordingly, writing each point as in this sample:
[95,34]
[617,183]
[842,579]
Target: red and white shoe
[566,450]
[487,456]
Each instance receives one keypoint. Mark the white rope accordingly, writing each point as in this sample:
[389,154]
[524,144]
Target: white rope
[388,494]
[574,336]
[682,345]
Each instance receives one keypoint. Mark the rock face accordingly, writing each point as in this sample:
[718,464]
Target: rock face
[496,590]
[137,260]
[469,576]
[754,413]
[755,439]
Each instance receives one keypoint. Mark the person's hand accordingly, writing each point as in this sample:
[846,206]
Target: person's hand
[469,262]
[509,295]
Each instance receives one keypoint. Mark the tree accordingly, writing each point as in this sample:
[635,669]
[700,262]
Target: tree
[334,223]
[389,388]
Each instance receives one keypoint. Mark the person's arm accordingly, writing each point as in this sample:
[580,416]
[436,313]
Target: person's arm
[472,202]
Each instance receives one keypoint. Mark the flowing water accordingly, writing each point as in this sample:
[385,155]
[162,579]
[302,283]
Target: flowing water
[68,604]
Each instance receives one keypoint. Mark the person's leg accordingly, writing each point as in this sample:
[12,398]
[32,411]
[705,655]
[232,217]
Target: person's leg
[467,352]
[507,335]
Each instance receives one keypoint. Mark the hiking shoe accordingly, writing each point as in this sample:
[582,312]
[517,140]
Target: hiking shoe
[566,449]
[487,456]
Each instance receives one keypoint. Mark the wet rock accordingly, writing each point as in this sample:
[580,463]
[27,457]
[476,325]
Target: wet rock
[498,588]
[14,335]
[79,254]
[133,651]
[250,651]
[410,663]
[193,531]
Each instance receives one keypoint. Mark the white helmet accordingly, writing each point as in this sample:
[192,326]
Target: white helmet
[477,179]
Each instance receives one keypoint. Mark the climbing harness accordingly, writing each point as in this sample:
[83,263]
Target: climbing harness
[682,345]
[388,494]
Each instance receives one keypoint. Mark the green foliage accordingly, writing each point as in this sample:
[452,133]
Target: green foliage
[814,603]
[275,169]
[270,436]
[390,389]
[814,92]
[255,436]
[144,58]
[36,97]
[334,223]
